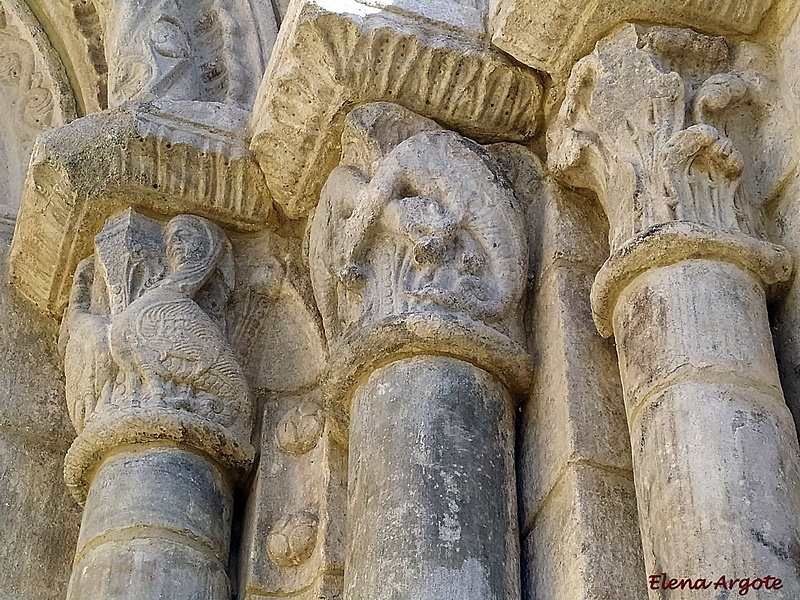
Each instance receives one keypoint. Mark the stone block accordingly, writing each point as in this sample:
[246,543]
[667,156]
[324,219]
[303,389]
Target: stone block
[168,158]
[551,35]
[331,56]
[576,410]
[293,538]
[786,316]
[584,542]
[38,520]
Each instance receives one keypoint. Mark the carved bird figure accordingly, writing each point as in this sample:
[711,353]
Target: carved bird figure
[170,344]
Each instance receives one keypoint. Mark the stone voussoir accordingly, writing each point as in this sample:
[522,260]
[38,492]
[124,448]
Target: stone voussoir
[332,56]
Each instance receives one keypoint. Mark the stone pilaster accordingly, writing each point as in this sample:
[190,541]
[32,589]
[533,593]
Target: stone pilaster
[715,452]
[419,261]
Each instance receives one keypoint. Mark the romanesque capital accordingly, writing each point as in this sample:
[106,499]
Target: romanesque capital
[145,351]
[667,176]
[418,246]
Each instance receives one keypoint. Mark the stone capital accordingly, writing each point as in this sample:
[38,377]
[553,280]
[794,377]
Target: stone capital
[145,352]
[334,55]
[418,247]
[164,157]
[639,127]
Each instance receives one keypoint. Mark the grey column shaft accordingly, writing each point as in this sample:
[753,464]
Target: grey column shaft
[156,526]
[715,452]
[432,497]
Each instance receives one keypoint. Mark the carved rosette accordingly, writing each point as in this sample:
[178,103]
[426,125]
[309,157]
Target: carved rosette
[418,247]
[146,355]
[667,177]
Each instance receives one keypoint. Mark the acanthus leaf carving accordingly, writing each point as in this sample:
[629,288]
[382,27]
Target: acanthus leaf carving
[650,150]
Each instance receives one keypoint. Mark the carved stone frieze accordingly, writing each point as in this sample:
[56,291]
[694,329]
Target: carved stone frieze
[332,56]
[418,245]
[188,50]
[552,34]
[293,539]
[180,75]
[273,322]
[146,352]
[651,152]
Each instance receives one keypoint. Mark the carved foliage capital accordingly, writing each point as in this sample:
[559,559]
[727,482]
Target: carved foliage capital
[637,127]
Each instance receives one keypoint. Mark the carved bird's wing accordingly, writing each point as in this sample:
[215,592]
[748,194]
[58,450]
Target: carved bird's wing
[87,365]
[177,340]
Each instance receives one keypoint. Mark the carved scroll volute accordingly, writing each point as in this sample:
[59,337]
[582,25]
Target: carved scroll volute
[422,225]
[145,343]
[625,131]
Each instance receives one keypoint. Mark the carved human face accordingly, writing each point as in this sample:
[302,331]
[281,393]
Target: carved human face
[186,243]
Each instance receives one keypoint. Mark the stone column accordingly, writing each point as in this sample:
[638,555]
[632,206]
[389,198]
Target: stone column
[715,453]
[419,261]
[160,404]
[162,411]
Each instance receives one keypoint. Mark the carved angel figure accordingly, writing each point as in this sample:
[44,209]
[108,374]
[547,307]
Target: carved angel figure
[435,229]
[155,345]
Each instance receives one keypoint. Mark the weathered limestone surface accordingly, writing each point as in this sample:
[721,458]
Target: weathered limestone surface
[294,526]
[552,34]
[34,97]
[162,410]
[418,256]
[573,446]
[396,385]
[783,224]
[143,157]
[431,439]
[333,55]
[38,520]
[684,293]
